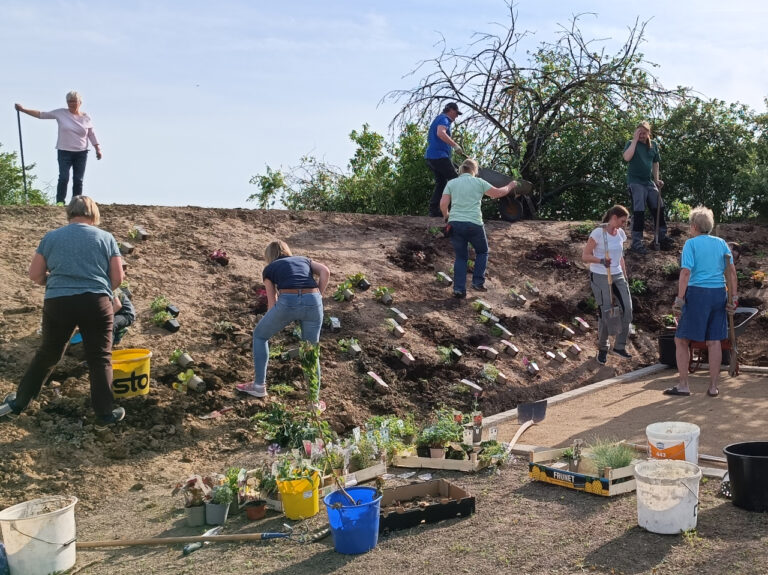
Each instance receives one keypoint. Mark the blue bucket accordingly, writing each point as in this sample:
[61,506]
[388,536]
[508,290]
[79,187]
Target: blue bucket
[355,528]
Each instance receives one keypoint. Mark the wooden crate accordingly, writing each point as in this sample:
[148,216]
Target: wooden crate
[613,482]
[434,463]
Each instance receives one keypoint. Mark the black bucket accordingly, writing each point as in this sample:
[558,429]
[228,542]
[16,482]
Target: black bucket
[667,349]
[748,473]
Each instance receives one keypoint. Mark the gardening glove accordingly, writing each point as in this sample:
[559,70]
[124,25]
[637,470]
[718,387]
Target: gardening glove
[677,307]
[459,149]
[731,306]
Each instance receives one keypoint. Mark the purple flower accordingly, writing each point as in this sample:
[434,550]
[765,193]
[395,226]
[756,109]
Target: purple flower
[273,449]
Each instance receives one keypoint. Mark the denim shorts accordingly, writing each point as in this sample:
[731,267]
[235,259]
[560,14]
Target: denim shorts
[704,317]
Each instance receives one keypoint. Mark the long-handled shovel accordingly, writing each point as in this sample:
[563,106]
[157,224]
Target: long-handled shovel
[733,365]
[656,246]
[21,151]
[613,318]
[527,415]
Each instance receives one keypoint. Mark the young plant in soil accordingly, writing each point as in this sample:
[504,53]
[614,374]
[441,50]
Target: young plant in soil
[221,495]
[443,431]
[610,454]
[637,287]
[288,428]
[161,317]
[560,262]
[223,328]
[345,344]
[668,320]
[444,353]
[671,271]
[309,355]
[384,294]
[490,372]
[342,290]
[159,304]
[491,452]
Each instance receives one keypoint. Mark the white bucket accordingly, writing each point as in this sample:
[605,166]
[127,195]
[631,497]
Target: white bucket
[667,495]
[39,535]
[673,440]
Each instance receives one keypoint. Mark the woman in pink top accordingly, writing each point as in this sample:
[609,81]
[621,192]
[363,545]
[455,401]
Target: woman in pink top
[75,131]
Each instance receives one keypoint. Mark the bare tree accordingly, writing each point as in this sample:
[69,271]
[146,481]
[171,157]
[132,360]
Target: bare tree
[515,110]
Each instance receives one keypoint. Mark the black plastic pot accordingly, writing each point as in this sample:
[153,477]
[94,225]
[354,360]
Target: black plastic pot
[363,284]
[172,309]
[172,325]
[667,350]
[748,473]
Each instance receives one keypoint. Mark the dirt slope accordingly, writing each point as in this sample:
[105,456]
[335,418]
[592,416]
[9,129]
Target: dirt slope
[53,447]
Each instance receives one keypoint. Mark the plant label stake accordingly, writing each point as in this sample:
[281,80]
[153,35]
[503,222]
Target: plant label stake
[573,349]
[517,298]
[335,324]
[500,331]
[444,278]
[565,331]
[455,354]
[560,356]
[550,356]
[581,324]
[355,349]
[395,328]
[532,288]
[486,316]
[472,385]
[377,382]
[405,356]
[480,304]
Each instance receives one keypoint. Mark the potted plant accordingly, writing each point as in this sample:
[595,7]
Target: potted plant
[217,509]
[358,280]
[159,304]
[255,509]
[384,295]
[181,358]
[195,491]
[436,436]
[166,321]
[188,380]
[298,484]
[757,278]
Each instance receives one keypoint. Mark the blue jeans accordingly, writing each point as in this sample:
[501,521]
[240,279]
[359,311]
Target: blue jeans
[463,233]
[75,161]
[306,308]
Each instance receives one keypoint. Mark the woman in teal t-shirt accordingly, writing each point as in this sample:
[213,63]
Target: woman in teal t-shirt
[462,197]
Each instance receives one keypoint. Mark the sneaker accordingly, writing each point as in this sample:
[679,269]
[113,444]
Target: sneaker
[59,203]
[479,288]
[602,356]
[459,294]
[621,353]
[252,389]
[8,407]
[118,414]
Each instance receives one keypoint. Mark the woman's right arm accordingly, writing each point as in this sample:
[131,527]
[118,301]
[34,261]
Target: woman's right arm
[116,273]
[38,269]
[324,275]
[33,113]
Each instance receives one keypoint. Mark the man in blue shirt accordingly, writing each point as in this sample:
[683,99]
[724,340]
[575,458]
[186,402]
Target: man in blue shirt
[438,155]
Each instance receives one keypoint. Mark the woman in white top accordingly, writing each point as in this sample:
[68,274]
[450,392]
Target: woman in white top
[75,131]
[604,252]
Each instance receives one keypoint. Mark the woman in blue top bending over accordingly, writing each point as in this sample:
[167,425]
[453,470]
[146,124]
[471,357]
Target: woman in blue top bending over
[292,295]
[702,299]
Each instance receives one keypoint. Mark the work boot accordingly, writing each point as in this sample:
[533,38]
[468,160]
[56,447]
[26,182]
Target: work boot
[118,414]
[8,407]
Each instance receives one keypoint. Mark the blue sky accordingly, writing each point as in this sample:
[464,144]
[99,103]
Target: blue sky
[191,98]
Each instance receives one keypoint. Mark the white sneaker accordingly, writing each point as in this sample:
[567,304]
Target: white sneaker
[252,389]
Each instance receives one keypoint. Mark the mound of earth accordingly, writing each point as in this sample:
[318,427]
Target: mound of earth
[54,448]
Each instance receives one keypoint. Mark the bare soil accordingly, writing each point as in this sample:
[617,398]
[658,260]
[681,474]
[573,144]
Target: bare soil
[124,477]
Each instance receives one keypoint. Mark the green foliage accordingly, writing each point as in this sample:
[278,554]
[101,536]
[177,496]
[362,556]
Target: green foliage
[491,451]
[490,372]
[444,430]
[309,355]
[289,428]
[355,278]
[637,287]
[159,303]
[444,353]
[380,291]
[223,327]
[338,295]
[590,303]
[12,183]
[161,317]
[291,467]
[611,454]
[399,427]
[221,495]
[346,343]
[668,320]
[267,481]
[678,211]
[281,389]
[671,270]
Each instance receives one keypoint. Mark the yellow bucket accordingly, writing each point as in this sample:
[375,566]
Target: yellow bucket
[300,497]
[130,369]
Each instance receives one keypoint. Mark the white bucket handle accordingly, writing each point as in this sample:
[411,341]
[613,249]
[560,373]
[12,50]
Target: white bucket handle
[67,544]
[684,484]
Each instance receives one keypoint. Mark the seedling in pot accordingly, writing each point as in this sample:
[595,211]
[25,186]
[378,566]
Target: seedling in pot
[191,381]
[517,298]
[448,355]
[160,303]
[384,294]
[487,317]
[444,278]
[581,324]
[550,355]
[560,356]
[358,280]
[471,385]
[531,366]
[138,232]
[350,346]
[398,316]
[488,352]
[531,288]
[573,349]
[125,248]
[405,356]
[376,382]
[500,331]
[335,324]
[181,358]
[501,378]
[394,328]
[509,348]
[565,331]
[479,305]
[490,372]
[172,309]
[455,354]
[344,292]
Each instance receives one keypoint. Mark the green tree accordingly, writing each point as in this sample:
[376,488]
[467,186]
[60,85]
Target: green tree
[12,183]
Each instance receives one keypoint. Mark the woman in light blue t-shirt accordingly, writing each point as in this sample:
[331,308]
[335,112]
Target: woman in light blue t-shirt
[702,299]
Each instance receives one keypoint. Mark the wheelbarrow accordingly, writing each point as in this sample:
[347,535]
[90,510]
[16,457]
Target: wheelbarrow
[698,348]
[510,206]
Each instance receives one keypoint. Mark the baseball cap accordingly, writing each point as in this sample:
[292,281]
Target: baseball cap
[451,106]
